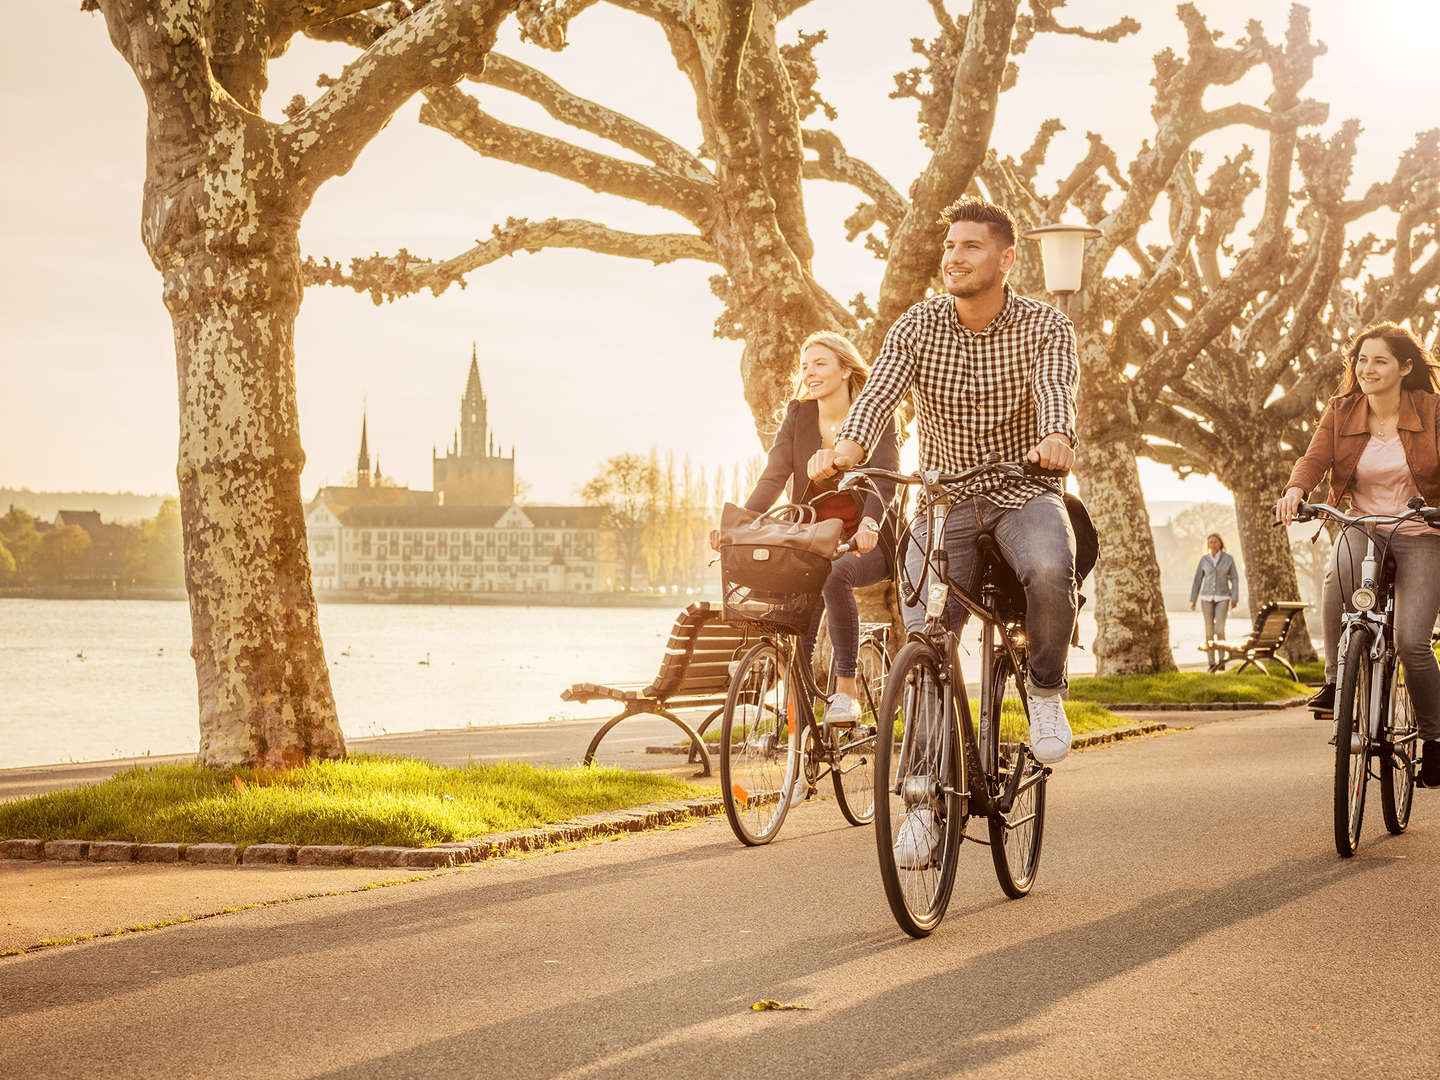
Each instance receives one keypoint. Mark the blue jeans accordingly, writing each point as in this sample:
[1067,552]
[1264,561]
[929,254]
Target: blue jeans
[849,573]
[1038,543]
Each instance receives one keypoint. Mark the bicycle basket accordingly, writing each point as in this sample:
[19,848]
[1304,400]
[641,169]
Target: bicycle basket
[791,612]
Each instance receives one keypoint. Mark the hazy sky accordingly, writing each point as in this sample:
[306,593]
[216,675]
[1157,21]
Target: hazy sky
[582,356]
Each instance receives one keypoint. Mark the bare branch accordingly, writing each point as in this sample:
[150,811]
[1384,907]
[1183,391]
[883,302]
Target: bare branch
[391,277]
[457,113]
[424,50]
[290,17]
[833,162]
[509,74]
[544,22]
[1046,23]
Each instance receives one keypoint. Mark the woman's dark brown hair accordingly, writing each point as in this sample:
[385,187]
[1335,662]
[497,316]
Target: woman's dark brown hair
[1405,346]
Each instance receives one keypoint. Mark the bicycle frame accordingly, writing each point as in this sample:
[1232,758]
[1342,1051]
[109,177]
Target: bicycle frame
[1376,621]
[939,495]
[788,646]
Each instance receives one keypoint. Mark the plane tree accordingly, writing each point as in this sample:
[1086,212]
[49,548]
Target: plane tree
[224,194]
[1246,409]
[741,193]
[1137,331]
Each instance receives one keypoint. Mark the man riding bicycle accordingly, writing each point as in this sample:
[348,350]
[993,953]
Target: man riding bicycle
[993,375]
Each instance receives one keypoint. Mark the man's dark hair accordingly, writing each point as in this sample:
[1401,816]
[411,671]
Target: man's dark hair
[970,208]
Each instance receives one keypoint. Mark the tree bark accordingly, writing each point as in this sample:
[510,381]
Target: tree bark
[1132,630]
[1265,550]
[223,198]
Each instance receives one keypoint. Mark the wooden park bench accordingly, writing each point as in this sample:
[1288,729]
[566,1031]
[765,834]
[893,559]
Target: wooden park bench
[694,674]
[1272,625]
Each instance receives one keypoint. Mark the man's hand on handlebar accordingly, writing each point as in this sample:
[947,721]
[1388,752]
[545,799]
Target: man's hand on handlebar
[1053,452]
[1289,505]
[826,463]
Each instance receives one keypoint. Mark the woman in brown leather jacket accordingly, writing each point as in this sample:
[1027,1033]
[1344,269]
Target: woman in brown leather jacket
[1379,440]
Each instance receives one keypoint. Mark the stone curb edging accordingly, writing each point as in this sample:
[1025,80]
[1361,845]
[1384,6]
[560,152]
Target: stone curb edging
[1148,727]
[458,853]
[1205,706]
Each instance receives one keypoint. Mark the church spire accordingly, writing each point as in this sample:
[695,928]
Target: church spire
[472,411]
[362,460]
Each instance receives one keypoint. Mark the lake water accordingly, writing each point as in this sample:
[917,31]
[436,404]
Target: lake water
[89,680]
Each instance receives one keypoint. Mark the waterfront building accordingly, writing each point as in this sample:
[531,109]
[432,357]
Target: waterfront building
[459,549]
[467,536]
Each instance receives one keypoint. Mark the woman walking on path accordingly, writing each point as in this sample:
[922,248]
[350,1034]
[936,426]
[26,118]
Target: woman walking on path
[1379,440]
[1217,588]
[831,375]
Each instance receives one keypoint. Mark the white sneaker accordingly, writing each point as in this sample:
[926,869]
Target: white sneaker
[919,833]
[1049,730]
[800,790]
[842,710]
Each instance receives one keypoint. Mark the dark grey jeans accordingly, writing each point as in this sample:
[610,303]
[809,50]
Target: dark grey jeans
[1037,541]
[1417,602]
[849,573]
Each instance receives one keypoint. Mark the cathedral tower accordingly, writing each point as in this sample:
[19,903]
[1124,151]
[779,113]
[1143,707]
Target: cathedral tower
[471,473]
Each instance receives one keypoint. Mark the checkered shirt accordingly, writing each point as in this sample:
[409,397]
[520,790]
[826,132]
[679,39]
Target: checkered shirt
[995,392]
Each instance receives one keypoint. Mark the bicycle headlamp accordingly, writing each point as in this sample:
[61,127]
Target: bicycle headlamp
[1363,598]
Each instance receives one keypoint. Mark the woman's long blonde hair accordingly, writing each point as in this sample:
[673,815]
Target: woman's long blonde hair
[851,362]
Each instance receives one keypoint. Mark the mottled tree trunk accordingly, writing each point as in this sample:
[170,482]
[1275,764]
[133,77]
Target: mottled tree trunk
[1265,550]
[224,193]
[233,292]
[1132,632]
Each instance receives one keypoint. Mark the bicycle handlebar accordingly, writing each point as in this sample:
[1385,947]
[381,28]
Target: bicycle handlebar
[1310,511]
[932,478]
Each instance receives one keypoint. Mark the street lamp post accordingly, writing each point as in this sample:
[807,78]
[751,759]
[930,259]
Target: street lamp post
[1062,256]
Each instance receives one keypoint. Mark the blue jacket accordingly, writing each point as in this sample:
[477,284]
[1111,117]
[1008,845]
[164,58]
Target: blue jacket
[1216,576]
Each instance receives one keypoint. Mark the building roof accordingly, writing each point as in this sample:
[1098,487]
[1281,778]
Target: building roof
[466,517]
[86,519]
[564,517]
[339,498]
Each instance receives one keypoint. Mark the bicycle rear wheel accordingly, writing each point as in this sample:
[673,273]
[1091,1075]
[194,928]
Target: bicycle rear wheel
[854,768]
[1352,745]
[759,745]
[918,824]
[1397,757]
[1016,836]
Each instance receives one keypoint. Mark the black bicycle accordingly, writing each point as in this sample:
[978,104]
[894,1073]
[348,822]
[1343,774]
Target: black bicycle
[775,746]
[938,766]
[1375,728]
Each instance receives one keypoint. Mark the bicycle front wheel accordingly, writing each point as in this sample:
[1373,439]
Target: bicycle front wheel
[759,745]
[1352,743]
[854,769]
[1397,759]
[918,824]
[1016,835]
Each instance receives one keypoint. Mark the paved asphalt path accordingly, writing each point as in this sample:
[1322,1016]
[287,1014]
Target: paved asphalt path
[1191,919]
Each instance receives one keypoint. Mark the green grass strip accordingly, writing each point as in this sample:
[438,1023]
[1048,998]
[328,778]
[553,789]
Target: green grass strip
[366,799]
[1185,686]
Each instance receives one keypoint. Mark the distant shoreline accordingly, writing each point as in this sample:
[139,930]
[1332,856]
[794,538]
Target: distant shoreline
[415,596]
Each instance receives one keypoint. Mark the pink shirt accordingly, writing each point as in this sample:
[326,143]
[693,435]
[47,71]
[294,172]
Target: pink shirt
[1383,484]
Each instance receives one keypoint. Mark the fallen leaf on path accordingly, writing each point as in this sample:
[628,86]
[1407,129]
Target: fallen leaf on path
[770,1003]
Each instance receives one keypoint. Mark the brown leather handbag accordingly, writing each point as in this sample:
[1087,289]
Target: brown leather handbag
[773,565]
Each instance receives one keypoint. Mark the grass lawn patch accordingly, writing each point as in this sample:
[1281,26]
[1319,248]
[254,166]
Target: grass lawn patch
[366,799]
[1185,686]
